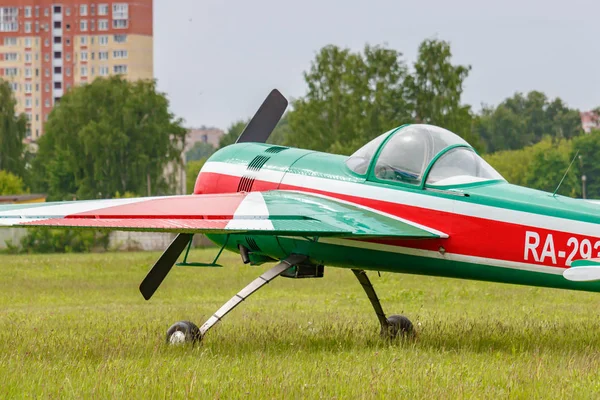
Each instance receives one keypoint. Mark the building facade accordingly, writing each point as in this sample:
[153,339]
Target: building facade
[48,46]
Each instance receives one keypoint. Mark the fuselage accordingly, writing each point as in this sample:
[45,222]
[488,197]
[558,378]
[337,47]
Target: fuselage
[497,231]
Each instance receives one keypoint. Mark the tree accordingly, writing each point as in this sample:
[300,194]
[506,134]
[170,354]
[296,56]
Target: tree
[111,136]
[192,169]
[524,120]
[540,166]
[10,184]
[589,162]
[435,90]
[199,151]
[233,132]
[12,133]
[352,97]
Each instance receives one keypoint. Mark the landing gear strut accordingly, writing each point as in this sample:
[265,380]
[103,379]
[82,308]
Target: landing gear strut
[185,331]
[392,326]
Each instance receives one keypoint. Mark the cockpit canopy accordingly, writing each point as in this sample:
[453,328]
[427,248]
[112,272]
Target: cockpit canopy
[407,153]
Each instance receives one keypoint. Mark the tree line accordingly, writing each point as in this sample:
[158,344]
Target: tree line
[114,137]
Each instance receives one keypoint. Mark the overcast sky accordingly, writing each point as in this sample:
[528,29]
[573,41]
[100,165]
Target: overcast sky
[218,59]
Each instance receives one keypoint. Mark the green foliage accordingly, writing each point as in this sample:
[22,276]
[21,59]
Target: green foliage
[192,168]
[352,97]
[435,89]
[589,161]
[12,133]
[524,120]
[233,132]
[10,184]
[199,151]
[540,166]
[43,240]
[108,137]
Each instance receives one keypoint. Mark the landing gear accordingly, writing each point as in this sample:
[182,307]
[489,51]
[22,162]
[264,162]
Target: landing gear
[390,327]
[186,331]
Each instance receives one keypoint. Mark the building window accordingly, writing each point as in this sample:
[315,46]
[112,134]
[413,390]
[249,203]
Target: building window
[14,86]
[120,38]
[58,70]
[37,27]
[83,10]
[68,11]
[57,24]
[27,27]
[83,41]
[119,23]
[68,71]
[46,42]
[103,71]
[120,69]
[28,87]
[12,56]
[103,55]
[11,72]
[27,72]
[12,41]
[37,11]
[57,39]
[46,72]
[68,56]
[46,57]
[68,41]
[47,104]
[83,25]
[84,71]
[120,54]
[92,55]
[47,87]
[93,9]
[93,71]
[28,57]
[57,9]
[57,54]
[84,56]
[37,88]
[102,9]
[68,26]
[103,40]
[57,85]
[46,12]
[102,24]
[120,10]
[28,42]
[28,12]
[8,19]
[28,105]
[68,86]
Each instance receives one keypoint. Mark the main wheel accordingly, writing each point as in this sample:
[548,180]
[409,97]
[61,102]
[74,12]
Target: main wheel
[398,324]
[183,332]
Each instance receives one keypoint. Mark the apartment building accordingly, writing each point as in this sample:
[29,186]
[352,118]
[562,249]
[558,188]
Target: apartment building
[49,46]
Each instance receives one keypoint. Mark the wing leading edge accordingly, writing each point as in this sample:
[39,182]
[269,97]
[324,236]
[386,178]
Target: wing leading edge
[269,213]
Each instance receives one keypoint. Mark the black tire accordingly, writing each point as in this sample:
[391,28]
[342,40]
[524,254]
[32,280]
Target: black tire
[189,333]
[398,325]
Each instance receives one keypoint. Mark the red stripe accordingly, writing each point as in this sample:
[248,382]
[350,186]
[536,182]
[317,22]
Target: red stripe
[221,206]
[471,236]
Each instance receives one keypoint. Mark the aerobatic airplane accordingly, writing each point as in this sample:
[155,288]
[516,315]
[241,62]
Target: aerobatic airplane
[417,199]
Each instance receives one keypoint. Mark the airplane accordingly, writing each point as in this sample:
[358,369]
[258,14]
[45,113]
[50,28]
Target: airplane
[417,199]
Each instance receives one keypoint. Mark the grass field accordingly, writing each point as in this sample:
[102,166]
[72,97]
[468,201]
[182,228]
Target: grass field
[75,326]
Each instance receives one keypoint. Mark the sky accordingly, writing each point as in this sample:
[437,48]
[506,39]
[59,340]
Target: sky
[217,59]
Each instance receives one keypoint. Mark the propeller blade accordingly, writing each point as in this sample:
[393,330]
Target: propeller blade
[164,264]
[265,120]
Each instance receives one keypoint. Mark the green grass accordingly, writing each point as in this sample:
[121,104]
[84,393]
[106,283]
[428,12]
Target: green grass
[75,326]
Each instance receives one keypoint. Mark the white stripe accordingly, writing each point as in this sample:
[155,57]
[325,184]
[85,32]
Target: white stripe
[446,256]
[431,202]
[252,213]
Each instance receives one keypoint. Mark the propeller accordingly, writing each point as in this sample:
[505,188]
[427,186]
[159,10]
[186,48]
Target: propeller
[265,120]
[258,130]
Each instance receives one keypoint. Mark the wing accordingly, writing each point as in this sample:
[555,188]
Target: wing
[269,213]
